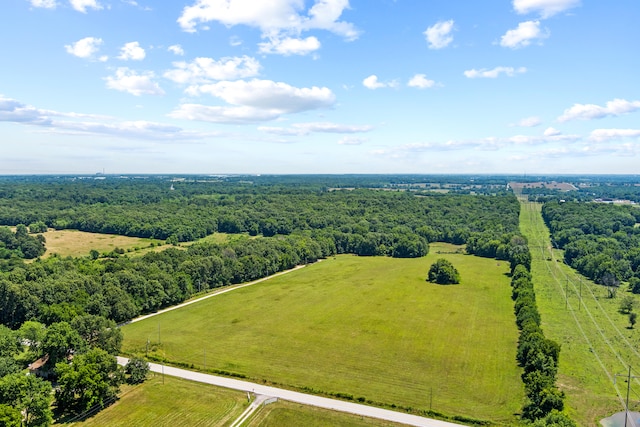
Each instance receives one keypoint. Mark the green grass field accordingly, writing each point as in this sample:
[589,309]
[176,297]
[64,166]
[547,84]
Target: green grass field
[370,327]
[595,338]
[172,403]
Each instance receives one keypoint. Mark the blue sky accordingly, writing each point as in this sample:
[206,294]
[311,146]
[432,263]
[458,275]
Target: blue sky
[320,86]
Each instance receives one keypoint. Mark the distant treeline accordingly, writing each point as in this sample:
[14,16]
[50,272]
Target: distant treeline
[600,240]
[360,221]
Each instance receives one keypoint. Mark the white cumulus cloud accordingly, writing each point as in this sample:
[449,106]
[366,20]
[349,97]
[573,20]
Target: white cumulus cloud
[84,48]
[529,122]
[176,49]
[439,34]
[205,70]
[523,35]
[611,134]
[546,8]
[372,82]
[92,124]
[277,19]
[126,80]
[552,132]
[46,4]
[290,46]
[133,51]
[421,82]
[300,129]
[352,140]
[253,101]
[82,5]
[494,73]
[616,107]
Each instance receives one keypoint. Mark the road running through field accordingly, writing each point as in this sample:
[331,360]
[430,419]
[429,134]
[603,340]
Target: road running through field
[293,396]
[214,293]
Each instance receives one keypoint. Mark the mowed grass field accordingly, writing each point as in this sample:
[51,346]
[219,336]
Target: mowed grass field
[371,327]
[171,402]
[596,341]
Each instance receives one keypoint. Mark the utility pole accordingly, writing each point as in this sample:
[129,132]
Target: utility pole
[580,304]
[626,409]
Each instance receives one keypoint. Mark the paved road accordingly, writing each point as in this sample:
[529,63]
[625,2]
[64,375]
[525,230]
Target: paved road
[213,294]
[293,396]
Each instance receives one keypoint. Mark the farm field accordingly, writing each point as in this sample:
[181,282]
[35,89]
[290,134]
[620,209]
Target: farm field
[171,402]
[79,243]
[596,341]
[368,327]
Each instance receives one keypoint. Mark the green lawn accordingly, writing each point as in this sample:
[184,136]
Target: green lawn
[171,402]
[596,342]
[371,327]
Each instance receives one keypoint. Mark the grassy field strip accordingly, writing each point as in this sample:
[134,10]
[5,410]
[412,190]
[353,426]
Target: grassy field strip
[594,326]
[599,306]
[571,280]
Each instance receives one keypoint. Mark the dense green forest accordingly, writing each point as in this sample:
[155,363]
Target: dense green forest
[600,240]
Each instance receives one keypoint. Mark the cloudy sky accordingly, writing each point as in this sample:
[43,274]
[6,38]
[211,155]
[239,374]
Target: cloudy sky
[320,86]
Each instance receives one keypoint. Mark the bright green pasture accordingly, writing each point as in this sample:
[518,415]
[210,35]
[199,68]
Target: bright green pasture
[371,327]
[595,338]
[173,403]
[288,414]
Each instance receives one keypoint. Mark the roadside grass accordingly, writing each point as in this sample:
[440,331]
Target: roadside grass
[288,414]
[172,402]
[595,337]
[368,328]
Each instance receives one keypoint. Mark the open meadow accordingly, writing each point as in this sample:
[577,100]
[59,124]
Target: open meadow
[367,327]
[80,243]
[596,340]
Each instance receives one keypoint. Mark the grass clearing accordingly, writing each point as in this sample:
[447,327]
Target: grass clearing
[595,338]
[173,402]
[370,327]
[79,243]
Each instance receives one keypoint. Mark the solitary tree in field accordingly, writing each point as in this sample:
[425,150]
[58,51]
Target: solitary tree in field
[443,273]
[633,317]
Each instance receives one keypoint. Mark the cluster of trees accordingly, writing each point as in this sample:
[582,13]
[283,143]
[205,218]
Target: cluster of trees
[78,356]
[59,289]
[20,244]
[443,272]
[600,240]
[537,355]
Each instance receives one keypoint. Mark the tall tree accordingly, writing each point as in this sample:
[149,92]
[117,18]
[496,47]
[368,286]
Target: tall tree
[91,379]
[30,395]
